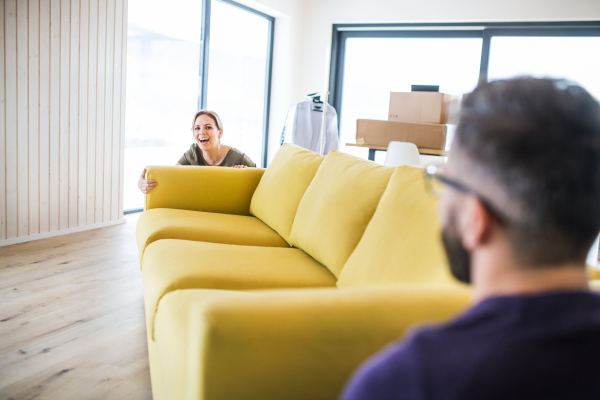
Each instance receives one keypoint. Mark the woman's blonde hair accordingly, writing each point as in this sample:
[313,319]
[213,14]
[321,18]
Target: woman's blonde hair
[211,114]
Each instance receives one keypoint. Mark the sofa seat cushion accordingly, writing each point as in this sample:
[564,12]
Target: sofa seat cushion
[282,186]
[337,206]
[167,223]
[170,265]
[402,244]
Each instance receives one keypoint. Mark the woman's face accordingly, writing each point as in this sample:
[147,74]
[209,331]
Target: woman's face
[206,133]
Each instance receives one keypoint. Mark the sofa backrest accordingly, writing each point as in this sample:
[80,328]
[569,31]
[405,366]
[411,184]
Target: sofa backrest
[230,190]
[336,208]
[276,199]
[402,243]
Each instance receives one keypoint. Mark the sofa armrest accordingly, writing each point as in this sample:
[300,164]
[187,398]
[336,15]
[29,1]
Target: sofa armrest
[285,344]
[211,189]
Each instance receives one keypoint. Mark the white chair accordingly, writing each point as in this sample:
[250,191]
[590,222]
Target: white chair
[402,153]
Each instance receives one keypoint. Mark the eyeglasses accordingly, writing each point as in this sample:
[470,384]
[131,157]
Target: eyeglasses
[437,180]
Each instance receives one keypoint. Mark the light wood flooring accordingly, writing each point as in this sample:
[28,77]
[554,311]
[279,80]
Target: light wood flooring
[72,319]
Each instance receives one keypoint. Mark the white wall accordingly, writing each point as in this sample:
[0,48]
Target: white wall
[61,116]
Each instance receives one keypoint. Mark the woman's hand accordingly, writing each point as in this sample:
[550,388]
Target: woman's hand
[146,185]
[239,166]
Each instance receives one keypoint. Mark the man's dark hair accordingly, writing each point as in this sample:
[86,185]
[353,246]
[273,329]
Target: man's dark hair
[539,141]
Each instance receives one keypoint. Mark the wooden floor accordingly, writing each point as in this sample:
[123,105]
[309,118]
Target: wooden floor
[71,317]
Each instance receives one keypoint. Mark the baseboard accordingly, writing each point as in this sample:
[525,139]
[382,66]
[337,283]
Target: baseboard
[44,235]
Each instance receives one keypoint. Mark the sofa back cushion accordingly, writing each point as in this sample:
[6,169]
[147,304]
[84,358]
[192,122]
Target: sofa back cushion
[337,207]
[402,244]
[282,186]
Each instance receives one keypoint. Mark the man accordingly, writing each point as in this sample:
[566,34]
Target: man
[520,210]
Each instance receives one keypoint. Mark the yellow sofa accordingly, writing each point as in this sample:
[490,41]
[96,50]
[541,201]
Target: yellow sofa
[278,283]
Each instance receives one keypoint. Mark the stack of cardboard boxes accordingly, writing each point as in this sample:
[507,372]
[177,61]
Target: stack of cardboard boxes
[416,117]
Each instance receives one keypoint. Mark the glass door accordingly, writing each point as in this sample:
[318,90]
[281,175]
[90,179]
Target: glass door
[238,69]
[163,54]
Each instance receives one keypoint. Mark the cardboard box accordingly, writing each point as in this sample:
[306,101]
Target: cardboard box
[430,136]
[430,107]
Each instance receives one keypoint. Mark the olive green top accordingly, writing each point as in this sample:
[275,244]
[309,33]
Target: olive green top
[234,157]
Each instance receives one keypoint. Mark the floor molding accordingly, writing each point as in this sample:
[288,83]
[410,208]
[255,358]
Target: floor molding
[37,236]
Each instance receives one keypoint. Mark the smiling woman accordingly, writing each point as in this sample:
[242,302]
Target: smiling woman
[207,150]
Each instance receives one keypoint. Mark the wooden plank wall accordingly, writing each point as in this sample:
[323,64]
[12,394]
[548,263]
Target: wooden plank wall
[62,115]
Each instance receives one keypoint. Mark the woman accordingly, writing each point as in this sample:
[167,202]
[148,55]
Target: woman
[207,130]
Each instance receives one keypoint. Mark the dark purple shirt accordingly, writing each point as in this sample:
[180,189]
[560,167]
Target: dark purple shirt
[520,347]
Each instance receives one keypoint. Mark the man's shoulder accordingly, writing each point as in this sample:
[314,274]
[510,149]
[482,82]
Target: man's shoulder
[381,375]
[498,317]
[404,369]
[487,341]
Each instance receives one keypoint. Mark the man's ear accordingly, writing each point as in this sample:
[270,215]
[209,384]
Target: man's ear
[474,223]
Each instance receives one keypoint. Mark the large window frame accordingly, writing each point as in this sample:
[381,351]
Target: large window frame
[484,30]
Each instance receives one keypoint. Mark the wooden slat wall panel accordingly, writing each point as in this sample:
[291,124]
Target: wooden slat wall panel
[83,106]
[34,93]
[100,105]
[65,35]
[116,120]
[2,133]
[108,93]
[74,114]
[91,154]
[22,121]
[62,114]
[44,116]
[123,95]
[10,48]
[54,112]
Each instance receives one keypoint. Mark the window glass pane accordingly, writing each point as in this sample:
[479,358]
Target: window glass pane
[239,41]
[163,58]
[574,58]
[374,67]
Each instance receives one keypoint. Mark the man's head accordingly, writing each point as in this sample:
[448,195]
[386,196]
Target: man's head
[530,151]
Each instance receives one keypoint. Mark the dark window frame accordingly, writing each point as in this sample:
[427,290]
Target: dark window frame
[484,30]
[204,60]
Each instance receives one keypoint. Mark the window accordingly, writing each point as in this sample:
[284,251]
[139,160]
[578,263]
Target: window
[374,67]
[574,58]
[162,86]
[167,81]
[371,60]
[237,75]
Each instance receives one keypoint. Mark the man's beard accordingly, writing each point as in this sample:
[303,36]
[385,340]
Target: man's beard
[458,257]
